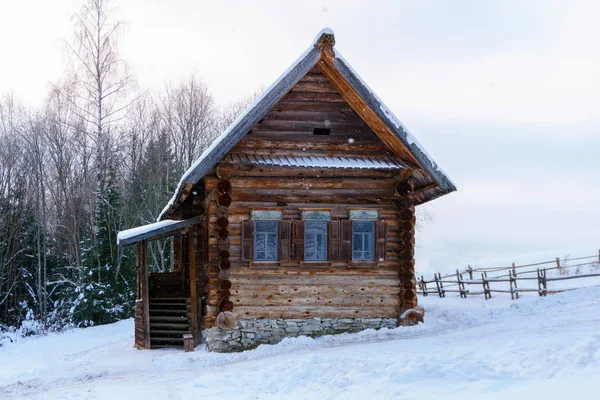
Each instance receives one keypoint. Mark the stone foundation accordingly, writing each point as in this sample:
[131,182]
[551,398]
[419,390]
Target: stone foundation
[250,333]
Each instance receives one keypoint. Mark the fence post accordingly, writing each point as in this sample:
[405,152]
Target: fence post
[545,282]
[560,271]
[461,285]
[423,286]
[514,271]
[486,286]
[471,269]
[442,291]
[542,283]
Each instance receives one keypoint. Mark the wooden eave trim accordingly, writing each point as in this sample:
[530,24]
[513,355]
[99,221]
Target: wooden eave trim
[249,119]
[368,107]
[327,66]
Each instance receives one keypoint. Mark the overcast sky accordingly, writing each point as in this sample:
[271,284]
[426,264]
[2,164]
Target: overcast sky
[504,94]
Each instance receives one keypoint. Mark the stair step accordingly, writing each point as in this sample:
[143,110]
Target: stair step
[179,332]
[165,346]
[169,298]
[172,311]
[165,339]
[168,325]
[180,318]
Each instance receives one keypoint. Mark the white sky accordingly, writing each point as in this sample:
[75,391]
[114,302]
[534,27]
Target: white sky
[504,94]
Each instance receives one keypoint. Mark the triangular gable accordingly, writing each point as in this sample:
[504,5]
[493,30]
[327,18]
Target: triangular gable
[352,88]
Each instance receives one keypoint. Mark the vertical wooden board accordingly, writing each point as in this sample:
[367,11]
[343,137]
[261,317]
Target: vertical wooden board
[145,294]
[247,240]
[193,288]
[285,242]
[346,240]
[333,237]
[298,239]
[380,240]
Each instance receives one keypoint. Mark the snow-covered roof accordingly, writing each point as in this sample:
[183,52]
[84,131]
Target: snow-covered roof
[312,161]
[256,111]
[161,228]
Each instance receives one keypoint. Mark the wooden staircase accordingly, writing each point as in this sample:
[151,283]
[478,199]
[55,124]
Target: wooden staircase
[169,321]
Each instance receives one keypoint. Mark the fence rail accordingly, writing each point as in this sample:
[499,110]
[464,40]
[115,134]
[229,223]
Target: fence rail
[456,283]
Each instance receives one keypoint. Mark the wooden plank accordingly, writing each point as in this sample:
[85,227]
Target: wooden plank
[246,312]
[317,115]
[355,183]
[314,87]
[193,283]
[143,246]
[319,300]
[275,125]
[362,280]
[317,143]
[332,196]
[267,170]
[314,97]
[314,77]
[312,106]
[278,290]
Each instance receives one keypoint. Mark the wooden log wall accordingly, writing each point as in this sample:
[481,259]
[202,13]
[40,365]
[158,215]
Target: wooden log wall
[406,255]
[290,288]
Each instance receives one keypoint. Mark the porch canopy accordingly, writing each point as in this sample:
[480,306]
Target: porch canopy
[155,230]
[140,237]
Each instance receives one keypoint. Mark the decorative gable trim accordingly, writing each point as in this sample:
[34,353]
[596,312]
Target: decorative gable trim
[341,75]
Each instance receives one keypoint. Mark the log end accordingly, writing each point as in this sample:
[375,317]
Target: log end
[226,320]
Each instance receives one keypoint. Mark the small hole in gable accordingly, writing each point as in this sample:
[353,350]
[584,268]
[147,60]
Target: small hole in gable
[322,131]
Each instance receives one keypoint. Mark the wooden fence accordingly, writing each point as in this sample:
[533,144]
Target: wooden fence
[511,276]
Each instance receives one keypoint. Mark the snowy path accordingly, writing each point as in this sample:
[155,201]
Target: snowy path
[530,348]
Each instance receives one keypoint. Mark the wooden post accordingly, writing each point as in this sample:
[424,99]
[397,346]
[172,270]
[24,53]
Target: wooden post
[461,285]
[470,272]
[486,286]
[145,294]
[558,265]
[545,283]
[542,283]
[440,285]
[193,289]
[423,286]
[514,282]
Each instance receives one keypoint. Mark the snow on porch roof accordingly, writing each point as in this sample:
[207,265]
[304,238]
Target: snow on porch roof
[256,111]
[154,230]
[372,162]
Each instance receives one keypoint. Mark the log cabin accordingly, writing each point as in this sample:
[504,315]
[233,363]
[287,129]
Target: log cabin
[299,219]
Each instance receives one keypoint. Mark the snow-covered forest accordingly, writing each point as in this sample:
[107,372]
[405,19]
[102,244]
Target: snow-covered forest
[99,156]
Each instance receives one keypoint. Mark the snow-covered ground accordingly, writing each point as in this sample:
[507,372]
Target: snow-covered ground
[468,348]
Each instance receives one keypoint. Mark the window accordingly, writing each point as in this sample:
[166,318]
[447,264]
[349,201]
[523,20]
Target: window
[265,240]
[322,131]
[315,240]
[363,240]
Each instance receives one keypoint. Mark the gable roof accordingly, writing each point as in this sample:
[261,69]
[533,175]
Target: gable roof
[335,67]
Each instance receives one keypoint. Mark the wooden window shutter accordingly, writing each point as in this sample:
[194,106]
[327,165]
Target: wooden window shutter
[380,240]
[298,239]
[346,240]
[285,240]
[333,238]
[247,240]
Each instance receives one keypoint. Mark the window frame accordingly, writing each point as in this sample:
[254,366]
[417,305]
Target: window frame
[362,252]
[322,224]
[258,232]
